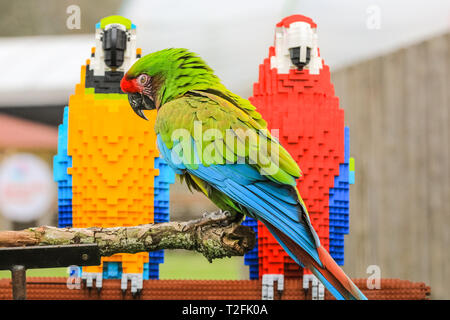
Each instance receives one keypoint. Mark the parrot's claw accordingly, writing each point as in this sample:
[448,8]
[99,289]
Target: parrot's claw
[317,288]
[137,283]
[268,281]
[137,293]
[89,277]
[222,218]
[220,214]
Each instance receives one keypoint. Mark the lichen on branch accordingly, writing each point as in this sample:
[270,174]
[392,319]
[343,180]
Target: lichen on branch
[215,235]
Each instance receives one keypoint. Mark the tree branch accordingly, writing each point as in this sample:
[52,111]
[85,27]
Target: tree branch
[215,235]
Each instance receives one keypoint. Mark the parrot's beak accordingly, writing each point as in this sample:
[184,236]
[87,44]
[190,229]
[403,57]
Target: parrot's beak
[140,102]
[300,56]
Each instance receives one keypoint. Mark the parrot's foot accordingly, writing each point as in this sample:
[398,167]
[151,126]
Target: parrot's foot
[219,218]
[89,278]
[217,215]
[224,216]
[317,288]
[137,283]
[268,281]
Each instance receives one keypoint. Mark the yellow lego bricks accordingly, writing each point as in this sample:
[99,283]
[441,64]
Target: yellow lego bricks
[112,171]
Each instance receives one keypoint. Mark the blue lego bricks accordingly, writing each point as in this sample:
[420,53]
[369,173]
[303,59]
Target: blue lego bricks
[162,183]
[351,173]
[146,273]
[161,198]
[62,161]
[112,270]
[251,257]
[151,269]
[351,177]
[157,256]
[339,206]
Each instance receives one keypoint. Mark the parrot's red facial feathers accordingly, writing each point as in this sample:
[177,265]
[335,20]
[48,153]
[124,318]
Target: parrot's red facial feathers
[129,85]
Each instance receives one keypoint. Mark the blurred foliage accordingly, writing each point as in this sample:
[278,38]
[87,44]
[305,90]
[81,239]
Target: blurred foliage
[48,272]
[48,17]
[182,264]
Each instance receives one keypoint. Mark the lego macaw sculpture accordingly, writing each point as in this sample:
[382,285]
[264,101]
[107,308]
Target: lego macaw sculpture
[219,144]
[295,94]
[104,177]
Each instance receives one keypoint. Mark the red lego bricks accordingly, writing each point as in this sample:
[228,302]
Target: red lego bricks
[302,105]
[56,289]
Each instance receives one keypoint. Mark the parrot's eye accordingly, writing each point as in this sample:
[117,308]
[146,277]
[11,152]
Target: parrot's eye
[143,79]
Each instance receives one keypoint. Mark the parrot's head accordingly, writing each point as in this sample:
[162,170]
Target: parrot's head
[164,75]
[296,45]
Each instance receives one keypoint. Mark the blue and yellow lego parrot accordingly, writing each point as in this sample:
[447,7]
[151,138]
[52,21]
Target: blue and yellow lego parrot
[105,176]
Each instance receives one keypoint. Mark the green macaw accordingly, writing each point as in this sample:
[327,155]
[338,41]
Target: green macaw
[219,144]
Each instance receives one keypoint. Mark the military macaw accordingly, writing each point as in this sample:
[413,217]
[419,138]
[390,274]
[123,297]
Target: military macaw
[219,145]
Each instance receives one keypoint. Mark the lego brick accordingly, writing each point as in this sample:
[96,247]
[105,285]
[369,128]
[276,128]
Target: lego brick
[112,270]
[109,83]
[340,206]
[44,288]
[251,257]
[107,167]
[302,105]
[62,161]
[351,176]
[102,126]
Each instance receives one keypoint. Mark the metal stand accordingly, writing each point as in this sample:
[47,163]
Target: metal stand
[19,259]
[19,282]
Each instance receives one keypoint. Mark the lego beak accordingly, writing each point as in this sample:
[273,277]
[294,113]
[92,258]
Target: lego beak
[114,45]
[140,102]
[300,56]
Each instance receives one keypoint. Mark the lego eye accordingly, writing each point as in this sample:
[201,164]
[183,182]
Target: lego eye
[143,79]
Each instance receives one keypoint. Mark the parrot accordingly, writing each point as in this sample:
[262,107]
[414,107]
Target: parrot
[219,145]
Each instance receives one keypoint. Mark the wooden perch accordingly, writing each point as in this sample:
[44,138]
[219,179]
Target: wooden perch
[215,235]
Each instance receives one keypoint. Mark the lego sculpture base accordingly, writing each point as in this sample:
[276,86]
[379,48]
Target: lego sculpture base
[57,289]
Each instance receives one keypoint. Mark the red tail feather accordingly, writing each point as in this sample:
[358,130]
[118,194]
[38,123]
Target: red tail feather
[329,269]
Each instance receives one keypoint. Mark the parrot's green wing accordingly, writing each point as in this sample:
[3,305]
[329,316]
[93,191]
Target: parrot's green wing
[223,134]
[221,150]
